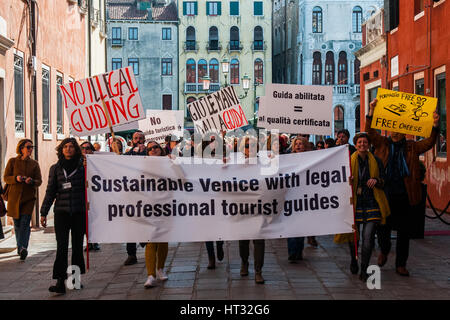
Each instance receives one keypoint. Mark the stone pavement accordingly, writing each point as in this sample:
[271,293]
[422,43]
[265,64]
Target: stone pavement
[323,274]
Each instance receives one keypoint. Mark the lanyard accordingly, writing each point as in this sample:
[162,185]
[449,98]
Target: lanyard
[65,173]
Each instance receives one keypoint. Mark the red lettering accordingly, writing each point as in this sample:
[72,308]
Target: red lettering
[115,94]
[66,94]
[113,122]
[102,96]
[82,90]
[121,108]
[75,125]
[133,89]
[242,114]
[135,108]
[102,117]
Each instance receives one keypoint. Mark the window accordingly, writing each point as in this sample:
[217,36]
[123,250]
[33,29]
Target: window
[202,70]
[329,68]
[258,8]
[441,147]
[167,101]
[213,8]
[190,8]
[116,63]
[258,40]
[234,71]
[190,38]
[132,33]
[259,74]
[393,14]
[188,114]
[213,39]
[419,86]
[214,70]
[166,66]
[418,6]
[372,93]
[191,71]
[18,93]
[134,63]
[234,8]
[338,119]
[357,65]
[357,19]
[342,68]
[234,38]
[116,35]
[59,106]
[166,34]
[317,20]
[357,119]
[45,99]
[317,68]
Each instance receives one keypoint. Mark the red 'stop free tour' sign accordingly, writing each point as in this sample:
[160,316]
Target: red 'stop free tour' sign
[83,102]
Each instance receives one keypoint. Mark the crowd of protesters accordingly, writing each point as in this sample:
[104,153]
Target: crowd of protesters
[384,176]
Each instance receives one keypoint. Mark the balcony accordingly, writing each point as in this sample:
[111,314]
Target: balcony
[346,89]
[234,46]
[259,45]
[213,45]
[198,88]
[116,42]
[190,45]
[356,89]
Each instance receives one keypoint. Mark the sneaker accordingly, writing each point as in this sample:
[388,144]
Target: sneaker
[161,275]
[402,271]
[151,282]
[130,260]
[23,254]
[259,278]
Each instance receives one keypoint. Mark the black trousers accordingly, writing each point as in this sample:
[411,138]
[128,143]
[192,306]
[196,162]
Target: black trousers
[131,249]
[210,247]
[65,223]
[400,221]
[258,254]
[368,242]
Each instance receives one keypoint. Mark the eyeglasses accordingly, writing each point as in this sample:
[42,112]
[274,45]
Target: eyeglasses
[29,147]
[152,148]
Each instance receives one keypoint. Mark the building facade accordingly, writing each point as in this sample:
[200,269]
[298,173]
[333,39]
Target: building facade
[143,34]
[211,31]
[417,60]
[329,32]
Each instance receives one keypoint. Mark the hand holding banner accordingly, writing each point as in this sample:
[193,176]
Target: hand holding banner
[404,112]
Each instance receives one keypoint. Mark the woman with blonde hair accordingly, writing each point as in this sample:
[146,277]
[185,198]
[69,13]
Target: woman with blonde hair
[23,177]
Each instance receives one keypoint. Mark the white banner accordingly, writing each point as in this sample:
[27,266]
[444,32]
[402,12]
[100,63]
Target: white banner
[83,102]
[296,109]
[220,110]
[142,199]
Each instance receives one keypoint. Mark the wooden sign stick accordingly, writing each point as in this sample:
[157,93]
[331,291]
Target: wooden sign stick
[113,144]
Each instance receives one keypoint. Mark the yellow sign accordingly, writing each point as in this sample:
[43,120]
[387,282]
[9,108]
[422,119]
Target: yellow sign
[404,112]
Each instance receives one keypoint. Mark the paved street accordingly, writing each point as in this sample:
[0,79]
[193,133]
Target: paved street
[323,274]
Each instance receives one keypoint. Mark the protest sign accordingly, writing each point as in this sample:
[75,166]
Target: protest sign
[158,124]
[220,110]
[143,199]
[404,112]
[83,100]
[296,109]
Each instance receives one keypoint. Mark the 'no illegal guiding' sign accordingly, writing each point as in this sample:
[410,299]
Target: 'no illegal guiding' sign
[83,101]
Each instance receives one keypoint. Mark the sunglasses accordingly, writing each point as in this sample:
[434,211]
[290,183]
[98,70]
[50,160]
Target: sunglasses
[29,147]
[152,148]
[86,148]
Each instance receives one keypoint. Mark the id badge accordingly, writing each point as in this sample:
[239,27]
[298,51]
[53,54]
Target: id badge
[67,185]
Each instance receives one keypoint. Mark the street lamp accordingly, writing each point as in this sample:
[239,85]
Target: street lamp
[206,80]
[245,85]
[225,69]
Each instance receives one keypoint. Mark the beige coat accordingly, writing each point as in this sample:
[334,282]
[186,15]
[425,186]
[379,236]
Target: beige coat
[21,196]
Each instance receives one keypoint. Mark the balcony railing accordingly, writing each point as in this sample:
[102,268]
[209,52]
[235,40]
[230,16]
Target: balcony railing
[198,88]
[190,45]
[213,45]
[259,45]
[356,89]
[19,125]
[234,45]
[117,42]
[346,89]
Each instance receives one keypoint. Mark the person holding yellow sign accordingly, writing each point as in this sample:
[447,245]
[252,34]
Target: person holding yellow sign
[400,157]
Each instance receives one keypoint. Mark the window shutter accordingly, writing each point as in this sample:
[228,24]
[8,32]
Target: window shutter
[219,8]
[195,8]
[234,8]
[184,8]
[207,8]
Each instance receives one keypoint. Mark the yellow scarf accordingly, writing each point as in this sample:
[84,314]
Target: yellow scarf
[379,194]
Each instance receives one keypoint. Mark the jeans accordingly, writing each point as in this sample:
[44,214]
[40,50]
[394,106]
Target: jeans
[258,253]
[368,243]
[210,247]
[22,230]
[295,246]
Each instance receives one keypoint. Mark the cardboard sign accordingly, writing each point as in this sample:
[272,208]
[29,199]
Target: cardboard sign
[158,124]
[83,102]
[404,112]
[221,110]
[297,109]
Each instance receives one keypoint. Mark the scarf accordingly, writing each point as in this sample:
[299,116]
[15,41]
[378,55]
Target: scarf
[70,165]
[397,159]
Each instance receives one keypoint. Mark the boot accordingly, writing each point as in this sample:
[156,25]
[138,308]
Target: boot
[220,253]
[259,278]
[212,262]
[382,259]
[354,266]
[60,287]
[244,269]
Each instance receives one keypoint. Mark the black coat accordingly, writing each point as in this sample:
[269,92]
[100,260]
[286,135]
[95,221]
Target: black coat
[68,201]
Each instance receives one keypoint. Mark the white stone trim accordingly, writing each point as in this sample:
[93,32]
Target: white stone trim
[419,15]
[419,75]
[60,136]
[439,70]
[47,136]
[435,4]
[367,87]
[394,30]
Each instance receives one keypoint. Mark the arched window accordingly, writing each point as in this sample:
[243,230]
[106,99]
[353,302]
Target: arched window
[342,68]
[190,71]
[357,119]
[357,65]
[214,70]
[338,119]
[213,38]
[357,19]
[317,20]
[259,74]
[258,38]
[202,70]
[234,38]
[190,38]
[188,114]
[329,68]
[317,68]
[234,71]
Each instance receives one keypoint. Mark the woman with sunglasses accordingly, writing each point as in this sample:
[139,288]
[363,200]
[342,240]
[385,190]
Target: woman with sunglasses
[155,252]
[23,177]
